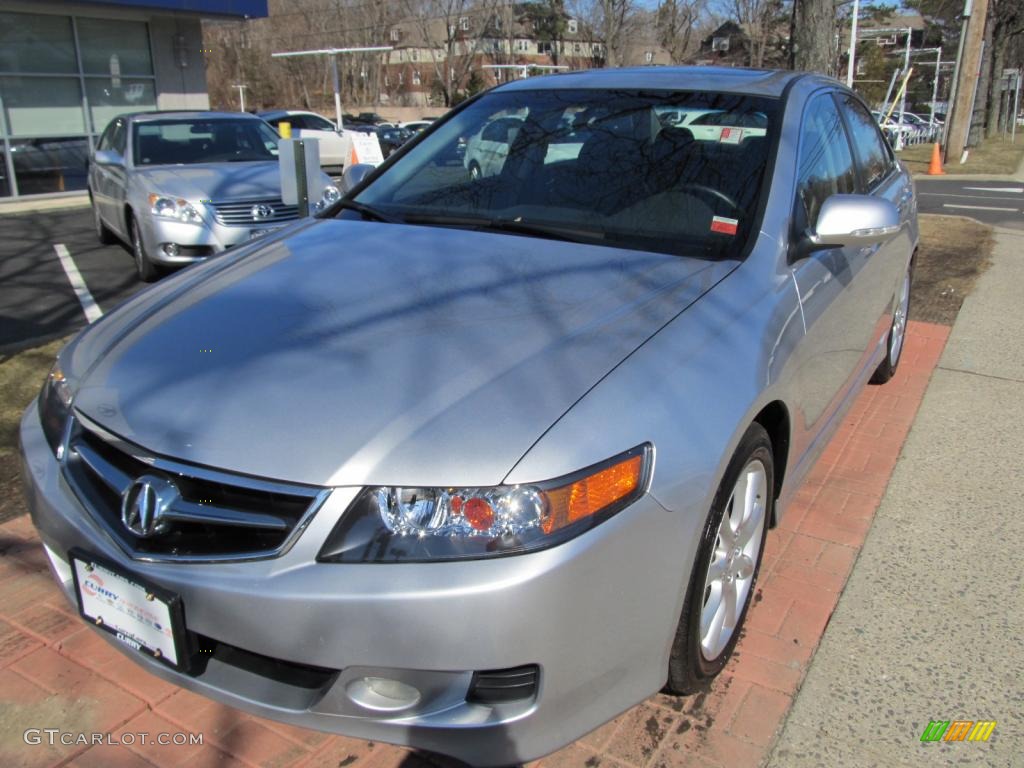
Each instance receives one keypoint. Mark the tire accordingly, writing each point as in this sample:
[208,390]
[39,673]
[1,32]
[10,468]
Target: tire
[894,342]
[145,268]
[699,652]
[474,170]
[104,235]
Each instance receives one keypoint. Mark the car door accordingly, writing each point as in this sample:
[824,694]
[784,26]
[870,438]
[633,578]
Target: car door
[829,280]
[881,177]
[332,145]
[107,178]
[118,178]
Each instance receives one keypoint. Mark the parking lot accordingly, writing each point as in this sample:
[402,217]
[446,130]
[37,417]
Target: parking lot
[41,254]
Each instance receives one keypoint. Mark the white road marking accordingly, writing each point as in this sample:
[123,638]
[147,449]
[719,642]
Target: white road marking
[979,207]
[968,197]
[1014,190]
[89,306]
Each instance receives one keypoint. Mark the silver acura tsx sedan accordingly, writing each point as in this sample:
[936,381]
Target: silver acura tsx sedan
[179,187]
[474,464]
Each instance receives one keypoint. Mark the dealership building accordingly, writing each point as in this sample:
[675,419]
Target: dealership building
[67,68]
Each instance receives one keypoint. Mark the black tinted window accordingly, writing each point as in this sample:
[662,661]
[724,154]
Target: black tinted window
[872,153]
[595,165]
[826,164]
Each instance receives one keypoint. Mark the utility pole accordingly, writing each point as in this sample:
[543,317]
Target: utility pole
[333,53]
[241,96]
[968,67]
[853,44]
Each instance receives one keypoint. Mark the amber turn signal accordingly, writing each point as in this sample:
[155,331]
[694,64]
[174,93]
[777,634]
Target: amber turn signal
[592,494]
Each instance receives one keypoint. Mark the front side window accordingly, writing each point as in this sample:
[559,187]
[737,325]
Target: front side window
[177,142]
[594,166]
[317,123]
[826,163]
[872,152]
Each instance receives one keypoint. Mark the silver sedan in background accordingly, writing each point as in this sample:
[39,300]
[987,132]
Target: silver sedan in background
[474,464]
[181,186]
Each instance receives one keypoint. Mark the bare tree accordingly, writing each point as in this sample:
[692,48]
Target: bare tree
[1006,21]
[758,19]
[812,35]
[676,21]
[615,24]
[451,33]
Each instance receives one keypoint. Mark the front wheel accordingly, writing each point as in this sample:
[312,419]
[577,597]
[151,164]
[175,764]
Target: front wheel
[145,268]
[897,333]
[725,572]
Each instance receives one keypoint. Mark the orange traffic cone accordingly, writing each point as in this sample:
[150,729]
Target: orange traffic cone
[935,167]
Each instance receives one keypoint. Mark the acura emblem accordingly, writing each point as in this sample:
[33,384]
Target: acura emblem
[261,211]
[145,504]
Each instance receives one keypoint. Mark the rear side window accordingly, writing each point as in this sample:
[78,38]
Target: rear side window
[875,162]
[826,163]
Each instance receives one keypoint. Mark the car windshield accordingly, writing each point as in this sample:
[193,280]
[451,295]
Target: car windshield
[595,166]
[185,142]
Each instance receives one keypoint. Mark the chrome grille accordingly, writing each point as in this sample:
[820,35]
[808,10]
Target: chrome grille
[214,515]
[239,213]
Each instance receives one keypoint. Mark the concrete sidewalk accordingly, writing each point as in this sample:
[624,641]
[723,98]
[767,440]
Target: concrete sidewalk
[930,624]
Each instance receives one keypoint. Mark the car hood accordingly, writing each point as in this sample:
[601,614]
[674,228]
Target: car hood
[358,353]
[214,181]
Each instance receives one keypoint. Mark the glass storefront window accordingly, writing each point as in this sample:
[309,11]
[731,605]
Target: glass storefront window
[50,164]
[42,106]
[36,43]
[5,183]
[109,98]
[114,48]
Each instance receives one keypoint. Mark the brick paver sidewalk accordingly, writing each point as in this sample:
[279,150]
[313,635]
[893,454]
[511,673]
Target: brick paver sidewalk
[57,673]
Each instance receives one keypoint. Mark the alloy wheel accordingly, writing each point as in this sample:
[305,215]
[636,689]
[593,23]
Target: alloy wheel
[730,573]
[899,321]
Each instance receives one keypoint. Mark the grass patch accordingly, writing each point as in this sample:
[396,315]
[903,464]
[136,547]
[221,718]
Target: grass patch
[21,376]
[953,253]
[995,156]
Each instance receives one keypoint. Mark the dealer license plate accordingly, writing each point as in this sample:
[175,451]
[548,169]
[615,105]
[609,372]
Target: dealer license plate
[144,617]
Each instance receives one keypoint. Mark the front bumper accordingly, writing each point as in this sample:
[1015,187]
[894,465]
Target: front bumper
[195,242]
[597,615]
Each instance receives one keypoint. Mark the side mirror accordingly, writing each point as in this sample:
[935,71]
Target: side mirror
[854,220]
[354,176]
[108,157]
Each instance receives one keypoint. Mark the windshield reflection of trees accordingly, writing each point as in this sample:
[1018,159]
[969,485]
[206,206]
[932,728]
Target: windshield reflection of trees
[616,164]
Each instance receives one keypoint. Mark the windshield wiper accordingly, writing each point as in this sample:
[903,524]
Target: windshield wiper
[367,211]
[512,226]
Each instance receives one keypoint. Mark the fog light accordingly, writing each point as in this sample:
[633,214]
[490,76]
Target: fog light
[171,249]
[381,694]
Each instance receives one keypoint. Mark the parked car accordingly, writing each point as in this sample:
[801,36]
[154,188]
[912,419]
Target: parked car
[416,125]
[334,147]
[476,464]
[181,186]
[392,138]
[486,151]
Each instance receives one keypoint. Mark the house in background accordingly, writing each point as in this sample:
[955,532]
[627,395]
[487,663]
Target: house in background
[67,68]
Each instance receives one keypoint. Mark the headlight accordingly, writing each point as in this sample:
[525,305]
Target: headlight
[55,408]
[176,209]
[391,524]
[330,196]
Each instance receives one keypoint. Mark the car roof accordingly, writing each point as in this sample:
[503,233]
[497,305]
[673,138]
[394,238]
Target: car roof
[139,117]
[757,82]
[274,113]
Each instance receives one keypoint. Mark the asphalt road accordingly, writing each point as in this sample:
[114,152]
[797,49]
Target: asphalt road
[1000,203]
[38,301]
